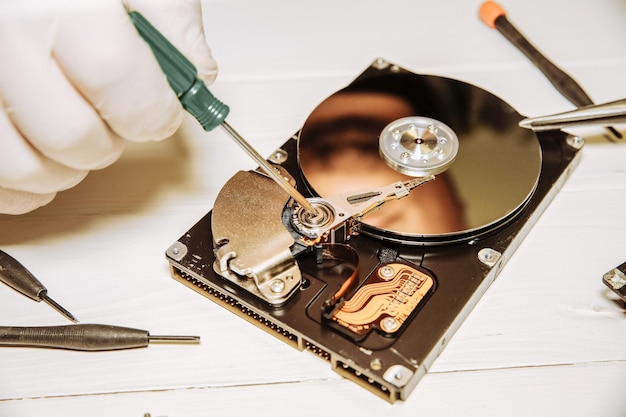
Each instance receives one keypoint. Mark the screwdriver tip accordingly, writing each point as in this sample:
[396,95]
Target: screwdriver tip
[44,297]
[174,339]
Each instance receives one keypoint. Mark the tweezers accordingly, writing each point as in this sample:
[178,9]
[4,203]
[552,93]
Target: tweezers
[605,114]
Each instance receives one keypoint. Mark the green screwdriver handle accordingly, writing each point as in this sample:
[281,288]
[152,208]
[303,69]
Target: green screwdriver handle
[182,76]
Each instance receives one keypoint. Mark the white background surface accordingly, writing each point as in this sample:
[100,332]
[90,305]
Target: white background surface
[548,338]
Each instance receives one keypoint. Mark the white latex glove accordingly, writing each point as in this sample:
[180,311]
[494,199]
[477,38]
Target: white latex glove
[77,82]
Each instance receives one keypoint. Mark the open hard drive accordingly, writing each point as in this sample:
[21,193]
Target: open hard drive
[379,272]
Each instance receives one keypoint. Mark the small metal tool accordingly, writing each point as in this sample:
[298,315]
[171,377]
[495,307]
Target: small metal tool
[615,279]
[494,16]
[16,276]
[600,114]
[200,102]
[85,337]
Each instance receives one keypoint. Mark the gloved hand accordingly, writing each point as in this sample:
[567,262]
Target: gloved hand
[77,82]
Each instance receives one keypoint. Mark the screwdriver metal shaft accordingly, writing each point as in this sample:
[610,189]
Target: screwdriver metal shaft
[269,170]
[16,276]
[85,337]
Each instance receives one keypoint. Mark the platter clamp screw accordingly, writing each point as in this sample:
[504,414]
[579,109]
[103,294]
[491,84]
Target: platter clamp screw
[418,146]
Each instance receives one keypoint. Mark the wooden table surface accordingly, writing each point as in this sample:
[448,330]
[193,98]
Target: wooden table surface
[547,339]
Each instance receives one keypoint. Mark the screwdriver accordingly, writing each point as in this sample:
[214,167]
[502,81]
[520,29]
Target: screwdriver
[494,16]
[85,337]
[16,276]
[200,102]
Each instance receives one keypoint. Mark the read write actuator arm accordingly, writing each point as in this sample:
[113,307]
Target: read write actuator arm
[336,210]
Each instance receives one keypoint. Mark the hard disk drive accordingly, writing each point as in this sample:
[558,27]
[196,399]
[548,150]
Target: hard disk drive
[421,188]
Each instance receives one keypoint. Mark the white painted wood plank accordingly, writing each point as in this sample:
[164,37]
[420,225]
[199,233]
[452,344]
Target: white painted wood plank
[559,390]
[547,339]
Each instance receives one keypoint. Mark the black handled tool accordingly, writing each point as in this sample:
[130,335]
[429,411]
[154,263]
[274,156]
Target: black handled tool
[86,337]
[16,276]
[495,17]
